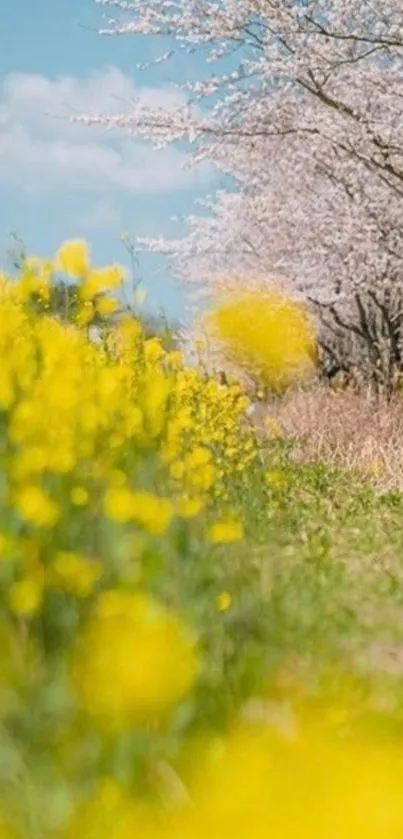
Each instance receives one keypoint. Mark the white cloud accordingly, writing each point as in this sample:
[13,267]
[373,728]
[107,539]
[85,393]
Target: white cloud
[43,153]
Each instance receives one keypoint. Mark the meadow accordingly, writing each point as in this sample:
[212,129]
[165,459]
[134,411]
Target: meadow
[200,625]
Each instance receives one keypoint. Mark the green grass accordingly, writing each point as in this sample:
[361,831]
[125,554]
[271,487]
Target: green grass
[316,588]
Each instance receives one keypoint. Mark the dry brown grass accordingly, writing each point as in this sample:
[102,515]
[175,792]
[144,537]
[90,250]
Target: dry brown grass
[343,428]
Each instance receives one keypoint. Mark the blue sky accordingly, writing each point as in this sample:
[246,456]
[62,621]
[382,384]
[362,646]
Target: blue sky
[61,181]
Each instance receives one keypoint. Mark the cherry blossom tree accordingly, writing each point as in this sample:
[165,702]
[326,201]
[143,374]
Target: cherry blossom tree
[288,66]
[304,111]
[340,250]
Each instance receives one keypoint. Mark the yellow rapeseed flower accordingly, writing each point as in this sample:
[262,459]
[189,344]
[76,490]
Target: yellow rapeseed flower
[25,597]
[268,334]
[133,660]
[30,460]
[199,468]
[226,531]
[198,456]
[153,349]
[177,469]
[152,511]
[175,359]
[79,496]
[74,573]
[107,306]
[73,258]
[261,783]
[100,280]
[119,504]
[33,282]
[187,508]
[85,313]
[36,507]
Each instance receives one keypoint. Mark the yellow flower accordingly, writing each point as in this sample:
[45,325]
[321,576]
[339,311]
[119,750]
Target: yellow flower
[79,496]
[31,283]
[187,508]
[61,460]
[267,334]
[338,716]
[36,507]
[177,469]
[175,358]
[226,531]
[134,659]
[72,258]
[262,783]
[30,460]
[85,313]
[119,504]
[223,601]
[107,306]
[153,512]
[153,349]
[202,478]
[99,280]
[126,337]
[25,597]
[199,456]
[75,574]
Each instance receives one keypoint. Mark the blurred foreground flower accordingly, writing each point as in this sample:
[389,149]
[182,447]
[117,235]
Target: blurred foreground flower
[134,659]
[259,784]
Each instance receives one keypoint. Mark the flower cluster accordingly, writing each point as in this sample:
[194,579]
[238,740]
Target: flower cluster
[265,334]
[115,459]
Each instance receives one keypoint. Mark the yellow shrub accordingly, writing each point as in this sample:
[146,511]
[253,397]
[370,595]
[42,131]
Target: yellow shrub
[267,334]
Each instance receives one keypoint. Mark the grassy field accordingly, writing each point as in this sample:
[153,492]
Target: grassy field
[323,559]
[200,625]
